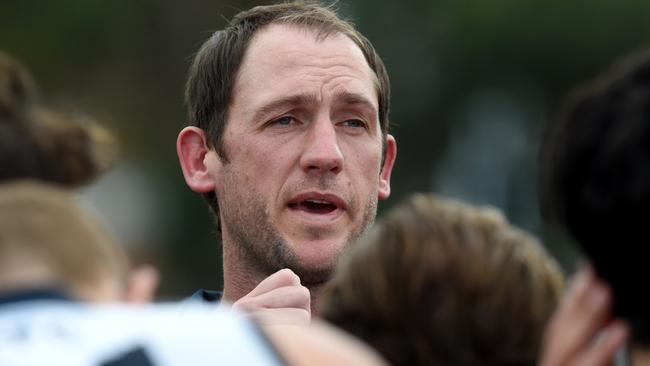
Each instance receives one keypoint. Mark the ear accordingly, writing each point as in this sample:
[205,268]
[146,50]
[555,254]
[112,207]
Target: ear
[387,168]
[192,149]
[142,285]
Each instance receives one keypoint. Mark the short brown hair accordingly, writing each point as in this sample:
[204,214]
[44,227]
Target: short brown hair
[43,225]
[439,282]
[208,92]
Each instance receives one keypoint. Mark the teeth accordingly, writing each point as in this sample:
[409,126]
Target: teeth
[318,202]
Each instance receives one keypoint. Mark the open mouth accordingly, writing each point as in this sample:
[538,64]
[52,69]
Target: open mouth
[314,206]
[317,203]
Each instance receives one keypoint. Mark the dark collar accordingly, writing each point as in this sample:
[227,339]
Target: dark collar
[47,293]
[208,296]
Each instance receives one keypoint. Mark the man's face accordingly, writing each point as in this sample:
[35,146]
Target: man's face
[303,170]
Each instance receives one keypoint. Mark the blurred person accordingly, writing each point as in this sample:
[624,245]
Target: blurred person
[55,259]
[288,141]
[63,276]
[47,242]
[596,181]
[440,282]
[40,143]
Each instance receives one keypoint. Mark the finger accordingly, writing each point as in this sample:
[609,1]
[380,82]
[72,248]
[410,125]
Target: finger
[581,283]
[579,331]
[582,313]
[591,314]
[282,278]
[602,353]
[287,316]
[572,299]
[283,297]
[555,337]
[578,292]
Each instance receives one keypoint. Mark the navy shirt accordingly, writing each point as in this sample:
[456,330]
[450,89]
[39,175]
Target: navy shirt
[208,296]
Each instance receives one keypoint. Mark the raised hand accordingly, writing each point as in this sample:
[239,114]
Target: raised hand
[581,332]
[278,299]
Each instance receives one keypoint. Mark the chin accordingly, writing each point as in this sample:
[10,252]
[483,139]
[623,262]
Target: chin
[318,261]
[317,254]
[315,250]
[317,257]
[314,274]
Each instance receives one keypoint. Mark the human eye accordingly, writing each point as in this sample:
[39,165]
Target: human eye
[354,123]
[283,121]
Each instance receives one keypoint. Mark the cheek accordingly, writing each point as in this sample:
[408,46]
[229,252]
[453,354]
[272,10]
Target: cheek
[259,163]
[364,173]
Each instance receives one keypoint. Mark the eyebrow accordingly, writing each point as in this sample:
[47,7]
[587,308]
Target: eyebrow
[354,98]
[357,99]
[286,102]
[311,99]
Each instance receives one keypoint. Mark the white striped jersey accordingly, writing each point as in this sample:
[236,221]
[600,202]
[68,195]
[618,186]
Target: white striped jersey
[57,332]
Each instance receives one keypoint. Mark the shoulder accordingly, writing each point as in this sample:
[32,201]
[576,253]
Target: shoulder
[92,334]
[321,344]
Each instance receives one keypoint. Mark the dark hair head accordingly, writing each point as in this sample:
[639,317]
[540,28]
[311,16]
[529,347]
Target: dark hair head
[40,143]
[438,282]
[212,76]
[596,180]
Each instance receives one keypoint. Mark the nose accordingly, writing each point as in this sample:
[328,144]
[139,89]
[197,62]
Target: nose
[322,153]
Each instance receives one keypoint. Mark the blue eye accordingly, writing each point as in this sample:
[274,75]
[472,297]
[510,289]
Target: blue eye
[354,123]
[284,121]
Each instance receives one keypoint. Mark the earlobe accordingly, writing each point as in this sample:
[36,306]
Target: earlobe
[192,149]
[387,168]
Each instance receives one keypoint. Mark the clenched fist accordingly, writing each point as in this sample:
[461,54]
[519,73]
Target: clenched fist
[278,299]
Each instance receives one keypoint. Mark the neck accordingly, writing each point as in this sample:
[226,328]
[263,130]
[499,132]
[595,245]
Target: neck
[240,277]
[238,280]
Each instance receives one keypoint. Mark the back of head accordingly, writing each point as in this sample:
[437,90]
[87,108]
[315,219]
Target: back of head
[40,143]
[46,239]
[440,282]
[596,180]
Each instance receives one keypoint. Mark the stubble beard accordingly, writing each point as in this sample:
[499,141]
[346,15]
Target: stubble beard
[259,243]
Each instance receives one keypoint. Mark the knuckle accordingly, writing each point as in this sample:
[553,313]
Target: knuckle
[304,292]
[287,276]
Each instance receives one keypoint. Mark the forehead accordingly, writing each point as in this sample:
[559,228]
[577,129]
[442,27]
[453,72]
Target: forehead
[284,57]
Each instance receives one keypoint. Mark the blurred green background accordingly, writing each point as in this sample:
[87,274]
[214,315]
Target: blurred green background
[474,85]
